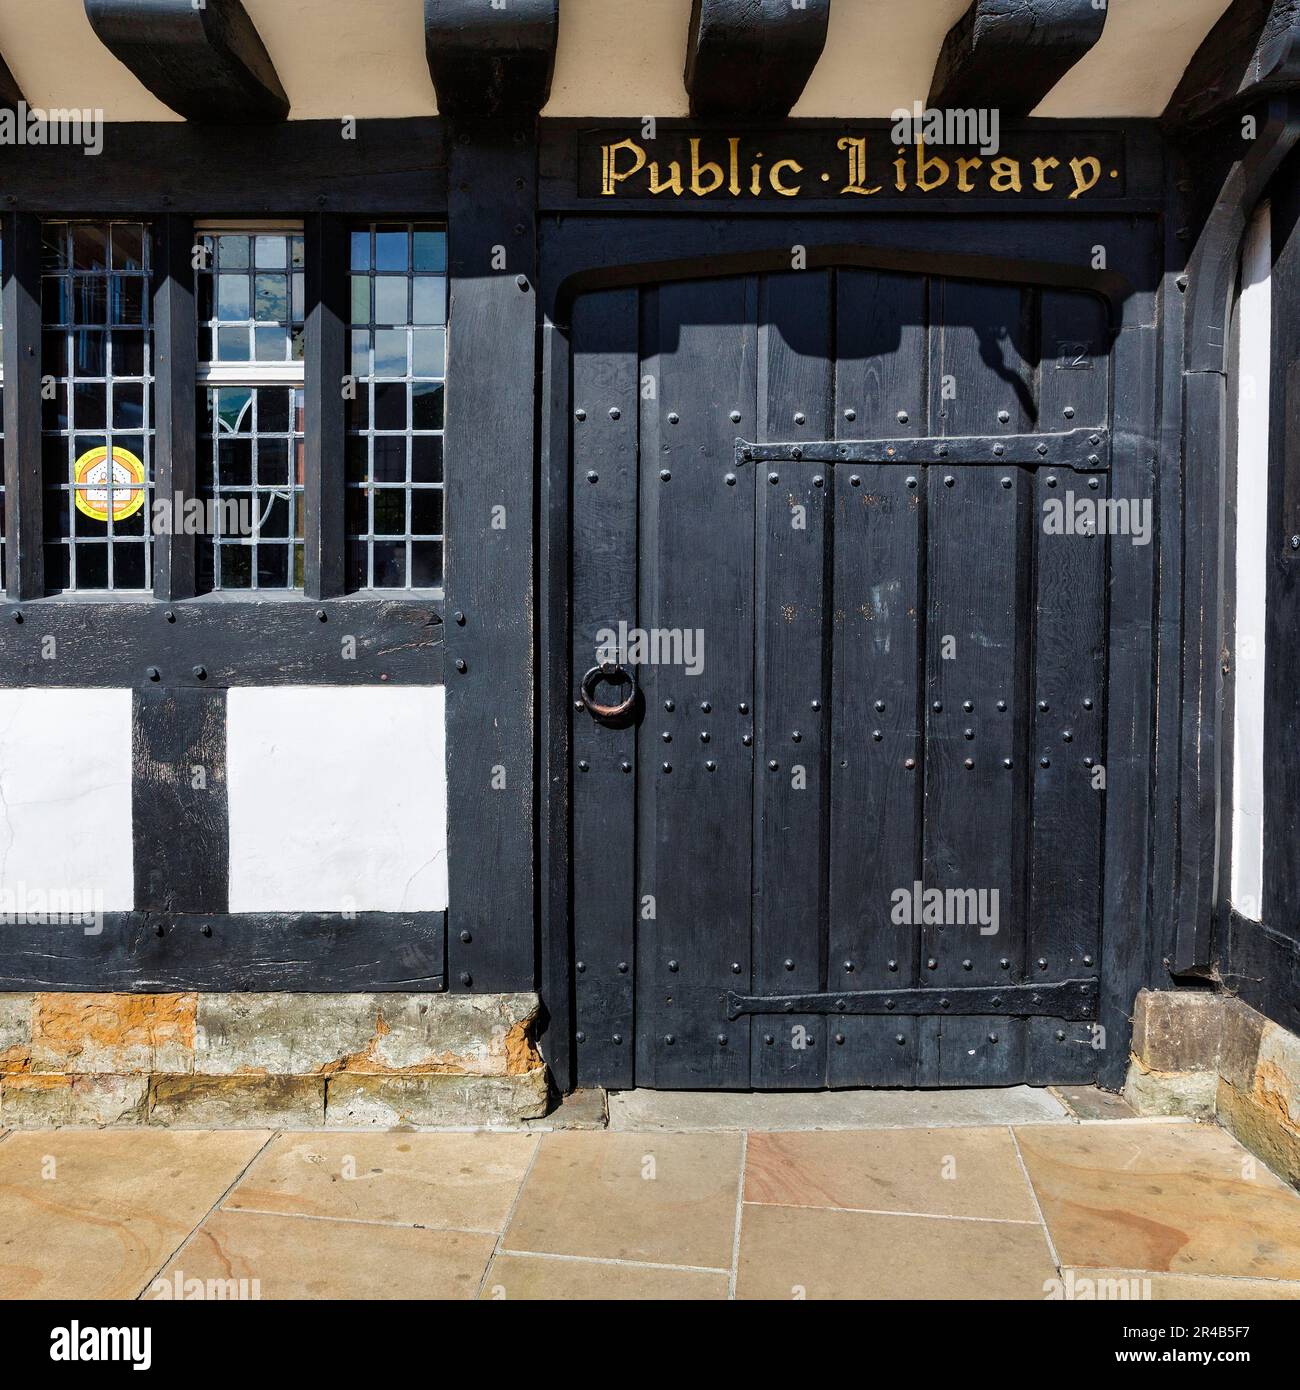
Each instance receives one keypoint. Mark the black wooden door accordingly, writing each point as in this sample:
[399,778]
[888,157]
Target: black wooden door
[850,829]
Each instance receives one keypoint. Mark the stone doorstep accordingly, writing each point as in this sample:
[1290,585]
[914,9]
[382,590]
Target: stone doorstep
[1185,1094]
[1213,1056]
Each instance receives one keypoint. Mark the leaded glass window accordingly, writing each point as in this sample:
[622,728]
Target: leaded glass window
[250,286]
[97,405]
[395,414]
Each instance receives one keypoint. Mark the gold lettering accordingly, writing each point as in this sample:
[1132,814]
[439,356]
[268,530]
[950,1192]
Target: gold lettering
[672,184]
[964,166]
[856,148]
[1006,176]
[1041,182]
[923,164]
[774,176]
[1077,167]
[714,172]
[626,159]
[610,175]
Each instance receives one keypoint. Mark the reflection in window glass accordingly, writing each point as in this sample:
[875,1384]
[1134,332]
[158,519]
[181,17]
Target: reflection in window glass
[395,422]
[251,473]
[250,296]
[249,288]
[97,405]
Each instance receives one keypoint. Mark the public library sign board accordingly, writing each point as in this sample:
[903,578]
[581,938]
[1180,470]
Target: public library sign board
[676,167]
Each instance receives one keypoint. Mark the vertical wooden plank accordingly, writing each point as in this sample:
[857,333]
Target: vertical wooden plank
[977,654]
[1069,687]
[792,675]
[325,425]
[694,847]
[877,777]
[181,841]
[877,611]
[490,443]
[1281,887]
[555,859]
[175,358]
[605,397]
[1129,951]
[791,786]
[24,560]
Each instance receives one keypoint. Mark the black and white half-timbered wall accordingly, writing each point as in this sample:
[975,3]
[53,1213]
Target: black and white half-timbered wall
[673,543]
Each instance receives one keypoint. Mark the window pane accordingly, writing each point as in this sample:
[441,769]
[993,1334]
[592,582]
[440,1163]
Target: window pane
[431,251]
[128,246]
[272,299]
[390,352]
[394,512]
[233,252]
[391,299]
[391,249]
[97,453]
[232,297]
[271,252]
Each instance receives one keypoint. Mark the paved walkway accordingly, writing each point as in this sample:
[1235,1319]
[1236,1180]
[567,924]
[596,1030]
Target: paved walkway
[1017,1210]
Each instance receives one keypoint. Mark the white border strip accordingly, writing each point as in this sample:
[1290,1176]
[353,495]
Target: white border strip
[1255,326]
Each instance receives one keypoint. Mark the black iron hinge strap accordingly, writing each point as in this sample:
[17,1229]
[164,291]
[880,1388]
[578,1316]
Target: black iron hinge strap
[1082,450]
[1067,999]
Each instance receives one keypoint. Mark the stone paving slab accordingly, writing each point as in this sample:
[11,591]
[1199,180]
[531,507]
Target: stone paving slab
[653,1198]
[937,1172]
[812,1253]
[1054,1209]
[1184,1199]
[292,1257]
[96,1213]
[452,1181]
[787,1110]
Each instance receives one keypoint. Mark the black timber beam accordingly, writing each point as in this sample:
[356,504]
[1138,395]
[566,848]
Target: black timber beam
[487,60]
[492,382]
[147,951]
[207,62]
[1252,52]
[751,59]
[21,294]
[10,93]
[1009,54]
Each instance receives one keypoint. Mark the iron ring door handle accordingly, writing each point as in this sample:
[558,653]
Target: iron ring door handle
[607,670]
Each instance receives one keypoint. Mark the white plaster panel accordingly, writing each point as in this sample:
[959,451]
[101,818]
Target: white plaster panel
[1255,332]
[65,796]
[338,799]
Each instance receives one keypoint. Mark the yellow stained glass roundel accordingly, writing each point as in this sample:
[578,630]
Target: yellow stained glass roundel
[91,476]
